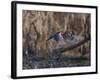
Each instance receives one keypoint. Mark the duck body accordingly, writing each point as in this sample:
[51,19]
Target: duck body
[66,37]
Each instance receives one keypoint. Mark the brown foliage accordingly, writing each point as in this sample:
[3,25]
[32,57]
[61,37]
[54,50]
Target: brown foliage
[39,25]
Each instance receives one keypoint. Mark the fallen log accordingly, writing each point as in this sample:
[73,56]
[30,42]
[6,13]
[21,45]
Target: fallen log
[76,45]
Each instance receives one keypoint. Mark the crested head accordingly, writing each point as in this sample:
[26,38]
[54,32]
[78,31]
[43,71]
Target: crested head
[62,33]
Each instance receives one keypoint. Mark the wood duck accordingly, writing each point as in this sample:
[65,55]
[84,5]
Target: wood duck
[68,37]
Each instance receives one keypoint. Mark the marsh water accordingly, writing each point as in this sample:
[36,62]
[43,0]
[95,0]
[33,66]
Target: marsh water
[55,60]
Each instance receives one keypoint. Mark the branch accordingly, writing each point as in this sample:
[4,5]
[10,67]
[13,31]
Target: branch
[75,46]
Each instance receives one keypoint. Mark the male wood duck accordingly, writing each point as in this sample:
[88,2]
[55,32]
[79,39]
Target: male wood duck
[67,37]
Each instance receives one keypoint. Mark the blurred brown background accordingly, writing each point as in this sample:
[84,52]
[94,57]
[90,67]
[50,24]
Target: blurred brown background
[39,25]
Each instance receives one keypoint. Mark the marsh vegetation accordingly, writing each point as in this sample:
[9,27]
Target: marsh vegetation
[40,53]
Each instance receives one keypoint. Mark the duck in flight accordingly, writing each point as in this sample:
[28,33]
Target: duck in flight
[67,37]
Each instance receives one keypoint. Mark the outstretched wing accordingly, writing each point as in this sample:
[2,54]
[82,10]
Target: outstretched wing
[70,38]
